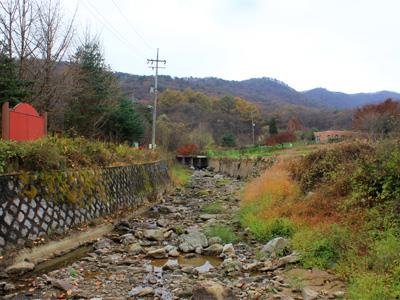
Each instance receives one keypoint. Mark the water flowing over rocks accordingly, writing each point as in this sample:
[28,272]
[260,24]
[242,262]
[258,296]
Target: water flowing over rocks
[165,254]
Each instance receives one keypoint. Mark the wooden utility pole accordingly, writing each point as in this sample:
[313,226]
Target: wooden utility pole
[156,67]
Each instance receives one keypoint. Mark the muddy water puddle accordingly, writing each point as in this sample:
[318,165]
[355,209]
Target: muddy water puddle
[199,262]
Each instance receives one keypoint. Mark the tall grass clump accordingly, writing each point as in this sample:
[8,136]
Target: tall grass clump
[262,195]
[225,233]
[213,208]
[180,175]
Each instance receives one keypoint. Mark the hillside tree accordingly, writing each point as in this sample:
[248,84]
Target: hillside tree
[273,129]
[95,95]
[378,120]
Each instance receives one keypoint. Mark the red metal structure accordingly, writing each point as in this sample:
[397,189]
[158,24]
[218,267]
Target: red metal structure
[22,123]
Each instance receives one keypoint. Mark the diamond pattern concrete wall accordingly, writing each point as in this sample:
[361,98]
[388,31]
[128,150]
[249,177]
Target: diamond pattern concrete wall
[23,219]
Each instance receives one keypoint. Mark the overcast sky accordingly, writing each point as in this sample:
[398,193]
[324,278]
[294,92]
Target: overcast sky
[342,45]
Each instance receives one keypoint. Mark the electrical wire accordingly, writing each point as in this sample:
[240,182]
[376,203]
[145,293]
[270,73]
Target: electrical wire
[132,27]
[96,14]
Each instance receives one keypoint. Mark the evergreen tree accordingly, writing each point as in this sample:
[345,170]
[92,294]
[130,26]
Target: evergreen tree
[12,89]
[228,140]
[273,129]
[125,123]
[96,92]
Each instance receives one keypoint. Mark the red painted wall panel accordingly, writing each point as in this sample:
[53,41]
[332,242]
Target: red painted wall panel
[26,124]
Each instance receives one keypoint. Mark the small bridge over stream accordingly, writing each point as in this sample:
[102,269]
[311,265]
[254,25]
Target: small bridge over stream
[194,161]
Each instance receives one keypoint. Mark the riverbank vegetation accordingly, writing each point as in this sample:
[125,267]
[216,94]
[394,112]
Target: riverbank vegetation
[340,207]
[180,175]
[297,148]
[58,154]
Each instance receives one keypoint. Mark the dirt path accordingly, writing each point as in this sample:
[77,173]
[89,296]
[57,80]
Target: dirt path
[164,254]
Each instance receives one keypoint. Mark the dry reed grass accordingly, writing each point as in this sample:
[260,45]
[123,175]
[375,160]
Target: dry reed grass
[283,198]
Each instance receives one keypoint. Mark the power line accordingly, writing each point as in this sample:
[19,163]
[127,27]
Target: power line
[130,24]
[93,11]
[116,32]
[112,32]
[156,67]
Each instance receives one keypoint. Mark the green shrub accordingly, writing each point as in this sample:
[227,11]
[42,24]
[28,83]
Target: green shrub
[376,181]
[213,208]
[41,155]
[322,166]
[53,153]
[8,155]
[384,255]
[224,232]
[370,286]
[264,229]
[322,249]
[228,140]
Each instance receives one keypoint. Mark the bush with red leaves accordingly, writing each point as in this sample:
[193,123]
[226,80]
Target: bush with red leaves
[187,149]
[280,138]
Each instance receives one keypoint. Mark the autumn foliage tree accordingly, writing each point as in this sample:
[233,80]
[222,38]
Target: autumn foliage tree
[187,149]
[378,120]
[281,138]
[294,124]
[206,119]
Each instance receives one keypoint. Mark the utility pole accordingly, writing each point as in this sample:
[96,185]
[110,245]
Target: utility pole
[253,125]
[156,67]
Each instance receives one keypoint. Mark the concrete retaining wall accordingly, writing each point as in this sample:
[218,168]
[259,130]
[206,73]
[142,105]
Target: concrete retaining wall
[240,168]
[28,215]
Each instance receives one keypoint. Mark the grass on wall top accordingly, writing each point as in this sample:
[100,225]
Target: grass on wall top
[57,154]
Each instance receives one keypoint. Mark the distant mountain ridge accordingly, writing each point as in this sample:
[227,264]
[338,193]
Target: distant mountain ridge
[342,100]
[267,92]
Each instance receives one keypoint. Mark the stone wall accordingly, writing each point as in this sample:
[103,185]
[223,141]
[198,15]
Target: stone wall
[28,215]
[240,168]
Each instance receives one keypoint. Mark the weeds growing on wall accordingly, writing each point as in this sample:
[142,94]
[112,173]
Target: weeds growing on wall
[79,188]
[341,205]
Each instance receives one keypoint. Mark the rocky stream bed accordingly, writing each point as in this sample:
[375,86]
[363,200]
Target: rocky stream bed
[164,254]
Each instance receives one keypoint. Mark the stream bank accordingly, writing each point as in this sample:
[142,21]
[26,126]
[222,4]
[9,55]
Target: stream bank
[164,254]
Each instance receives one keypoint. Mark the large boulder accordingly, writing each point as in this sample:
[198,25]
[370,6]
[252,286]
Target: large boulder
[206,217]
[213,250]
[103,244]
[141,291]
[157,253]
[154,234]
[192,240]
[210,290]
[275,247]
[228,250]
[135,249]
[288,259]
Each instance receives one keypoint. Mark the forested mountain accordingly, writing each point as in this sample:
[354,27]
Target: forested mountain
[270,93]
[274,98]
[344,101]
[264,91]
